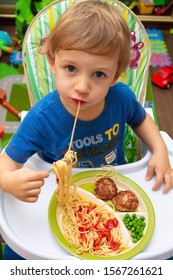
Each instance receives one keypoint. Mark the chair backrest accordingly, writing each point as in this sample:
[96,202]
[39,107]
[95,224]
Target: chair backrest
[40,81]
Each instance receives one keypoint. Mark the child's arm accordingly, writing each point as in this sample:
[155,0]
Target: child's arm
[23,183]
[159,163]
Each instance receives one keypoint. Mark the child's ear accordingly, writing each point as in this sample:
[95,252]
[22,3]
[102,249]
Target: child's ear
[51,60]
[115,79]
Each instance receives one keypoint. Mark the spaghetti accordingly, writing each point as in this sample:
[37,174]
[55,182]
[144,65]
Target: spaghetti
[91,228]
[111,172]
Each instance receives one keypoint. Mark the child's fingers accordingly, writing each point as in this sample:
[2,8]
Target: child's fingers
[32,195]
[33,192]
[168,183]
[36,179]
[39,175]
[36,184]
[150,173]
[45,174]
[159,181]
[31,199]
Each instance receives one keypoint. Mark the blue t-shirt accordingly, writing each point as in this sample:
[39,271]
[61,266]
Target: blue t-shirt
[48,125]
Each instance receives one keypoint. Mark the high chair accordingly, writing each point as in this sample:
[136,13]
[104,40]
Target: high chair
[40,81]
[0,251]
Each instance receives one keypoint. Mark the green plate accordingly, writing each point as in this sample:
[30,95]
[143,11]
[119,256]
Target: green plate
[85,180]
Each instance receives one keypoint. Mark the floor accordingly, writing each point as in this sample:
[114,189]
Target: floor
[163,98]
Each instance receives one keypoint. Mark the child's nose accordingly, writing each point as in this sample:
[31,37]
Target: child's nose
[82,85]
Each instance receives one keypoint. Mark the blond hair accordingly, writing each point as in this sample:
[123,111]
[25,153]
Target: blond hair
[92,26]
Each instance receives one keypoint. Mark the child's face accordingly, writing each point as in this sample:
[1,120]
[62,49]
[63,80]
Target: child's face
[83,77]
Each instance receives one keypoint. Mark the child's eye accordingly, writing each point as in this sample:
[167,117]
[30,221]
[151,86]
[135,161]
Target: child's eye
[99,74]
[71,68]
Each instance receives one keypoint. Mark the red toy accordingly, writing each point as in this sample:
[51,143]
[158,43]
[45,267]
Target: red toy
[5,104]
[164,77]
[1,131]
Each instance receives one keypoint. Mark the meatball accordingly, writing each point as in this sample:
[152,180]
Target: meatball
[125,201]
[105,188]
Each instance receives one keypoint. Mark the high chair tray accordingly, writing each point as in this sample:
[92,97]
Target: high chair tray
[25,226]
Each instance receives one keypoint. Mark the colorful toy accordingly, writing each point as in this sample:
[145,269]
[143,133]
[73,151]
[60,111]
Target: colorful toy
[15,58]
[130,148]
[5,104]
[26,10]
[1,131]
[5,42]
[160,56]
[162,10]
[145,6]
[164,77]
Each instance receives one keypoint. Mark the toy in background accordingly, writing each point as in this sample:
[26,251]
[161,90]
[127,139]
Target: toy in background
[25,12]
[17,43]
[11,46]
[160,56]
[164,77]
[6,105]
[9,107]
[145,6]
[130,147]
[15,58]
[5,43]
[162,6]
[1,131]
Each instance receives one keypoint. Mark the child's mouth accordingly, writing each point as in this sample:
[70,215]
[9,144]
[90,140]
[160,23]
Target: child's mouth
[77,101]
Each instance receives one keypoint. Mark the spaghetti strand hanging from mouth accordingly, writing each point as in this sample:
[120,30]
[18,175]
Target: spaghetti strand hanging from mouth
[74,126]
[63,170]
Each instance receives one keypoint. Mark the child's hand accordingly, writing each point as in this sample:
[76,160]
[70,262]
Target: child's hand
[159,165]
[25,184]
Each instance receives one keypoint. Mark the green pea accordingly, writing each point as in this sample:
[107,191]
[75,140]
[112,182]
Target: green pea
[134,216]
[133,234]
[138,237]
[134,240]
